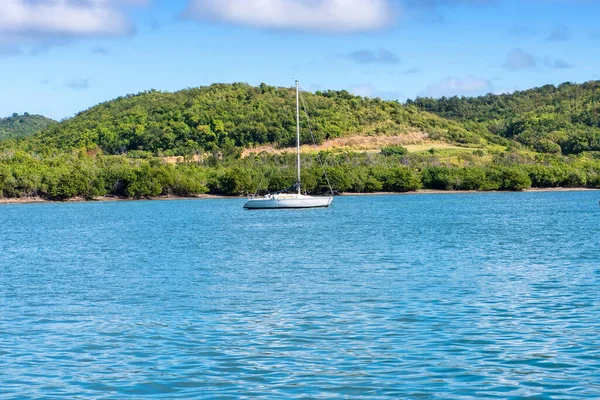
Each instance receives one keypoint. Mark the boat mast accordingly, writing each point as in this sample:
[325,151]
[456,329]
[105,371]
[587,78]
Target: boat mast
[298,132]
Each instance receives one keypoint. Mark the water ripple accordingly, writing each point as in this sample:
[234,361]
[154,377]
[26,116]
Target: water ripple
[449,297]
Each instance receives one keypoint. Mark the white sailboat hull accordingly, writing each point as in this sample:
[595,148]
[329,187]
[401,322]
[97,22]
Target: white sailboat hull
[287,201]
[291,200]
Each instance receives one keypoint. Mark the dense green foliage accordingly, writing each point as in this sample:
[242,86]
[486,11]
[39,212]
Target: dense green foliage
[551,119]
[117,148]
[18,126]
[66,175]
[70,175]
[223,116]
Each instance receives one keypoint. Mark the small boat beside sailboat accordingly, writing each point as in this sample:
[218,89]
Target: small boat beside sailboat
[282,200]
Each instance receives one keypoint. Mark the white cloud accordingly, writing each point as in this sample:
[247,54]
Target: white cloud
[368,90]
[379,56]
[557,64]
[341,16]
[505,90]
[559,33]
[469,86]
[78,84]
[26,21]
[518,59]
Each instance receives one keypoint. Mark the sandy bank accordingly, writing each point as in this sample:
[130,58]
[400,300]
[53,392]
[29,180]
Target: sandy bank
[34,200]
[433,191]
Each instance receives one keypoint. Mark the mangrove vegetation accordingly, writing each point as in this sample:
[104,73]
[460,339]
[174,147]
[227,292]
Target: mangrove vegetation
[227,139]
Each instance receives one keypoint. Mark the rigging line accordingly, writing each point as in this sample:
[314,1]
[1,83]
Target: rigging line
[291,114]
[315,143]
[259,185]
[262,178]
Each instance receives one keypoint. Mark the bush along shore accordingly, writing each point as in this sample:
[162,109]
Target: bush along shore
[63,176]
[547,137]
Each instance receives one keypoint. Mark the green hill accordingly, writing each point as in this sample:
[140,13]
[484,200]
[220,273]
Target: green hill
[543,138]
[226,115]
[550,119]
[24,125]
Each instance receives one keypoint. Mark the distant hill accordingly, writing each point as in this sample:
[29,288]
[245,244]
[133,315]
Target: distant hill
[22,125]
[239,115]
[550,119]
[201,140]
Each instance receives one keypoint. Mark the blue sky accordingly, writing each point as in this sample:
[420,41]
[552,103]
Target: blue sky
[58,57]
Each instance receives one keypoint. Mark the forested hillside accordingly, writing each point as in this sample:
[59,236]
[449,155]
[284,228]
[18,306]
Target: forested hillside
[550,119]
[226,115]
[542,138]
[17,126]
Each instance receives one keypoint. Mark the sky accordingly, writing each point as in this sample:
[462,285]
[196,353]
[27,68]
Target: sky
[59,57]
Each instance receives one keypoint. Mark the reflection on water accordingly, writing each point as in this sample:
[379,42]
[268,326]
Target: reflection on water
[429,296]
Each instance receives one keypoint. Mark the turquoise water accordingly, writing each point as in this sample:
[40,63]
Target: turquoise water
[419,296]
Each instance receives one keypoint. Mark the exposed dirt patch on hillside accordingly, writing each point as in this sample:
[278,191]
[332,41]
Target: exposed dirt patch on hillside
[355,143]
[415,148]
[413,142]
[180,159]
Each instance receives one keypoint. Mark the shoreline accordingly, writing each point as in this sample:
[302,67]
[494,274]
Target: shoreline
[110,199]
[436,191]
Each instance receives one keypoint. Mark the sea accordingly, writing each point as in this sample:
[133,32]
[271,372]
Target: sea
[432,296]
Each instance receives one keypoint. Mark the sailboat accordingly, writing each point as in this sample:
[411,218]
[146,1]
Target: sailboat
[290,200]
